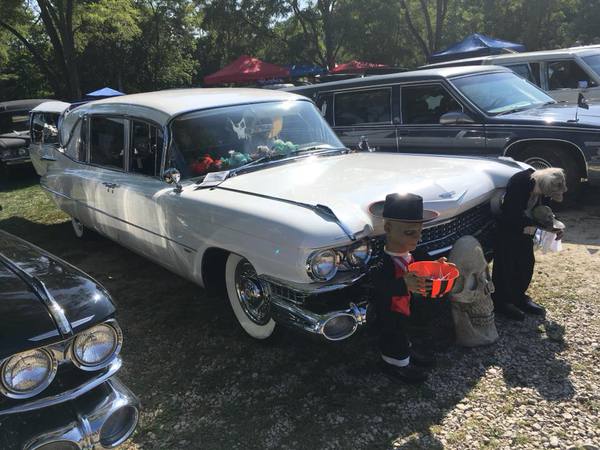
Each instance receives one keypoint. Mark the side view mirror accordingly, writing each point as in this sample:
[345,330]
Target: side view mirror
[172,176]
[455,118]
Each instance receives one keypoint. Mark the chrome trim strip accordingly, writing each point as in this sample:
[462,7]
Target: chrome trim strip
[60,194]
[55,310]
[66,395]
[545,140]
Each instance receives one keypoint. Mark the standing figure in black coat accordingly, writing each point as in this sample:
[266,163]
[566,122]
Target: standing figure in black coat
[403,223]
[513,249]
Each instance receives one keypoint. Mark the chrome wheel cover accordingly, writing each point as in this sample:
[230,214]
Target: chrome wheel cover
[538,162]
[251,294]
[77,227]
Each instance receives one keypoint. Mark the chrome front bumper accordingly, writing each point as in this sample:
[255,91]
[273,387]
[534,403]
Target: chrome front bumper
[102,418]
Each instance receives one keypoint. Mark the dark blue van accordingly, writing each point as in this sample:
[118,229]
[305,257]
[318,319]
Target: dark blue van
[472,110]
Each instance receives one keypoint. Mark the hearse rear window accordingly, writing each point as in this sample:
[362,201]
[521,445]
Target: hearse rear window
[365,107]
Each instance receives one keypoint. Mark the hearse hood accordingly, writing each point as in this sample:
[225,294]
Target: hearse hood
[347,184]
[42,298]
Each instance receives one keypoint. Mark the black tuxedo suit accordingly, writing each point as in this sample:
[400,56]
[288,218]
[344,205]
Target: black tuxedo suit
[513,250]
[392,301]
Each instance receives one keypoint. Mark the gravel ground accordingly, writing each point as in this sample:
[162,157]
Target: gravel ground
[204,384]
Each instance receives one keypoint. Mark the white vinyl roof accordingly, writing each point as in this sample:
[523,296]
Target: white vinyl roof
[176,101]
[53,107]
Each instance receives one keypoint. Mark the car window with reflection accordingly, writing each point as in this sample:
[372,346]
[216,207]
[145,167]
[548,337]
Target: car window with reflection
[566,75]
[44,128]
[426,104]
[107,141]
[497,93]
[363,107]
[145,152]
[230,137]
[594,62]
[14,121]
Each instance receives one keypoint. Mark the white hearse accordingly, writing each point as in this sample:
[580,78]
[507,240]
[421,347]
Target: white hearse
[250,190]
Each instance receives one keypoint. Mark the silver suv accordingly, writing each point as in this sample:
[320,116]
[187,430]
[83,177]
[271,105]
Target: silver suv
[562,73]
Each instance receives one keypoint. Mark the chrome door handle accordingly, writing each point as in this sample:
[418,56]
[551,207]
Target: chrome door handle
[110,185]
[47,158]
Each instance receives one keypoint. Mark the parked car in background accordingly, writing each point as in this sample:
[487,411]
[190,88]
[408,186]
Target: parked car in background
[14,132]
[562,73]
[43,133]
[59,353]
[482,111]
[251,192]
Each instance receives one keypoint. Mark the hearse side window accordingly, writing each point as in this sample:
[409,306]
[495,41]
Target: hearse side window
[566,74]
[426,104]
[146,148]
[358,108]
[107,139]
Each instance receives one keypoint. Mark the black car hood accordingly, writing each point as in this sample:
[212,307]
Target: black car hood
[43,299]
[557,113]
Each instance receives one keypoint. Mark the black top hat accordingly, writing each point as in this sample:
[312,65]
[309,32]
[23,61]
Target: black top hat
[402,207]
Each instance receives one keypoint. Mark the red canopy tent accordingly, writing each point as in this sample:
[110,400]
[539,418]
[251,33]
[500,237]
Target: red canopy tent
[355,66]
[246,69]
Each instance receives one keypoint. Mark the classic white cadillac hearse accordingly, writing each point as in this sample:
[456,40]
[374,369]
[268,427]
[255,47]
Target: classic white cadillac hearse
[250,191]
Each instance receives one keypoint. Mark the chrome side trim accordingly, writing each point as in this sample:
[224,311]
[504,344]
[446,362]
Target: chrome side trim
[55,310]
[60,194]
[66,395]
[506,150]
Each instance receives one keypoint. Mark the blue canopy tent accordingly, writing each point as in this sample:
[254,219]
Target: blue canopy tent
[475,45]
[102,93]
[304,70]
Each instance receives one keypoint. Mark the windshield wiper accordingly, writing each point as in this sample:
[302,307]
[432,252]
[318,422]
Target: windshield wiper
[514,110]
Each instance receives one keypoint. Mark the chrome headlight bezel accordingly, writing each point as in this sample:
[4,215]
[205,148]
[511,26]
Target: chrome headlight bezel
[351,254]
[313,260]
[114,328]
[12,393]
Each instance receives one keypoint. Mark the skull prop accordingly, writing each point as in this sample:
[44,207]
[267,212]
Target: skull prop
[472,307]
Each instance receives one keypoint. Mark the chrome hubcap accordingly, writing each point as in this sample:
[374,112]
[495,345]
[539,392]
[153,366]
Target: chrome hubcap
[538,163]
[251,294]
[77,226]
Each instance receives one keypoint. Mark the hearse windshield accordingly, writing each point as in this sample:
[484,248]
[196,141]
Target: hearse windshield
[227,138]
[501,93]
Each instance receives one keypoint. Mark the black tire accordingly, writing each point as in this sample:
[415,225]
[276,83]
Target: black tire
[542,156]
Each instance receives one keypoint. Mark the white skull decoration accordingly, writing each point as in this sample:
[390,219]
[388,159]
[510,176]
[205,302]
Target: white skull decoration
[239,129]
[472,307]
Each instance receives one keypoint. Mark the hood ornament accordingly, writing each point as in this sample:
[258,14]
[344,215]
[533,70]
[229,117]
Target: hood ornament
[448,194]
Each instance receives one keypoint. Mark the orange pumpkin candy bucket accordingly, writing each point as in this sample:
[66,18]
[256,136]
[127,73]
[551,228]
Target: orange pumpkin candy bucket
[442,276]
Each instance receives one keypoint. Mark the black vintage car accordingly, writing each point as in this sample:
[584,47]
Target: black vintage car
[480,111]
[14,131]
[59,352]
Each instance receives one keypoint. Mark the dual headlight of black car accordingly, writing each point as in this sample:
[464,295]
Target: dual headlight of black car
[28,373]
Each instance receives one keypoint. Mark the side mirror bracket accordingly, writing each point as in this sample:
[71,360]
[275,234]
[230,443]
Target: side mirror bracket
[172,176]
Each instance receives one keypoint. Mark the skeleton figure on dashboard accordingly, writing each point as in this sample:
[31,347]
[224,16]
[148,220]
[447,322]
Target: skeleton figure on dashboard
[472,307]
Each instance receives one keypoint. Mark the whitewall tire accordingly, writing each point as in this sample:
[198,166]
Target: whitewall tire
[248,299]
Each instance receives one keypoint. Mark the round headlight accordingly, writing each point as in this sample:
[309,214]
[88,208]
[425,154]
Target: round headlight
[359,254]
[93,349]
[323,265]
[28,373]
[22,151]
